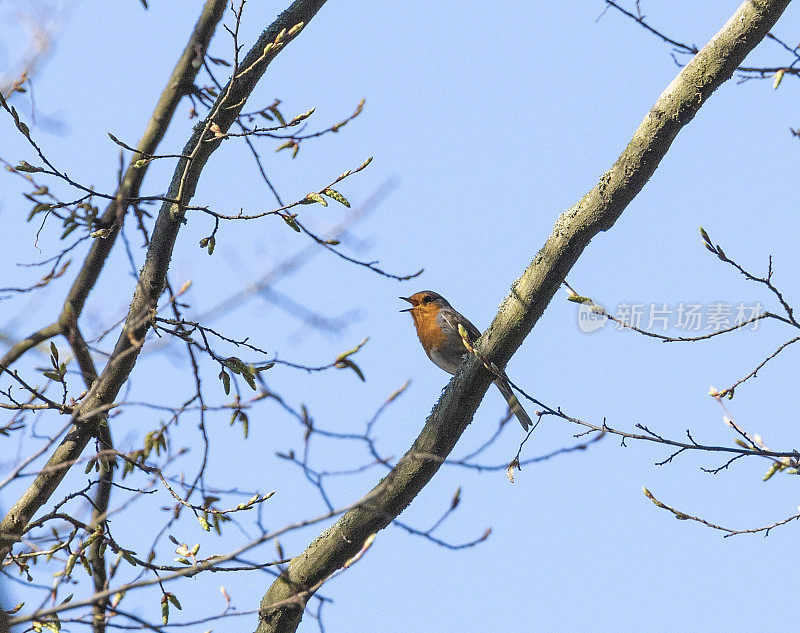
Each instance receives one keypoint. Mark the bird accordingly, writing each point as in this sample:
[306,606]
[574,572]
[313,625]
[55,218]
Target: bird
[437,324]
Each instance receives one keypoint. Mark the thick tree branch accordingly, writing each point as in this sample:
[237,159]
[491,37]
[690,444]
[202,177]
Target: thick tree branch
[598,210]
[178,85]
[100,507]
[4,628]
[69,450]
[31,341]
[153,276]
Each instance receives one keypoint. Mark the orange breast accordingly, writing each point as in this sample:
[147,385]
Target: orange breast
[430,334]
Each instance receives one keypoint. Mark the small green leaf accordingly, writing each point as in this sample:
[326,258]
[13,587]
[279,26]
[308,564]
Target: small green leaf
[86,565]
[128,556]
[456,499]
[295,30]
[38,208]
[315,197]
[774,468]
[226,381]
[27,167]
[171,597]
[301,117]
[148,442]
[235,364]
[579,299]
[335,195]
[249,376]
[71,560]
[54,624]
[347,363]
[24,129]
[274,108]
[289,219]
[352,351]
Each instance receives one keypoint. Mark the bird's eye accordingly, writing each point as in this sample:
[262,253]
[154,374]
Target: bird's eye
[427,299]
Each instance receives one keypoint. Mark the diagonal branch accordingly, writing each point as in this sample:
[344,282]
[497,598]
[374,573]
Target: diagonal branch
[151,282]
[282,606]
[178,85]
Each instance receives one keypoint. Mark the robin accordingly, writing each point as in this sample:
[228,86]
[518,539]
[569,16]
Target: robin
[437,328]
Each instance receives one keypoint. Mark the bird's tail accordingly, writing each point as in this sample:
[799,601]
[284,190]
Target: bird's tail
[514,404]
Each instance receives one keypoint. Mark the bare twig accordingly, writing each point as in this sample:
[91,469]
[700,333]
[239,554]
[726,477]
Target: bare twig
[728,531]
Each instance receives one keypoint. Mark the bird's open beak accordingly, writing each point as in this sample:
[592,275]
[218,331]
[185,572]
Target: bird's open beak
[413,305]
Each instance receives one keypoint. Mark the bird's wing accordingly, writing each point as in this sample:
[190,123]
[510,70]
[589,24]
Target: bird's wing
[454,318]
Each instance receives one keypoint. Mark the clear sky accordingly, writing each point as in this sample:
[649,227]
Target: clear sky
[487,120]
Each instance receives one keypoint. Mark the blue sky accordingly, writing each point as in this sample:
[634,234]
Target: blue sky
[489,120]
